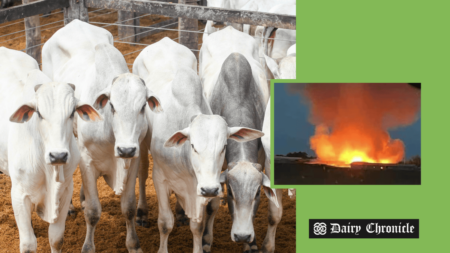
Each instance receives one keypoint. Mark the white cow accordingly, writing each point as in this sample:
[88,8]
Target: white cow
[284,68]
[41,153]
[83,54]
[191,171]
[173,57]
[236,88]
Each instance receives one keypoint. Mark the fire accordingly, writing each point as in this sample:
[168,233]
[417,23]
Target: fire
[352,121]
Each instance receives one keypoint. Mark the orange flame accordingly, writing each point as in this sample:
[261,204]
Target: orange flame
[352,120]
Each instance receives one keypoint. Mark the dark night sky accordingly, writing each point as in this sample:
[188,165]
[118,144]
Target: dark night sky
[292,129]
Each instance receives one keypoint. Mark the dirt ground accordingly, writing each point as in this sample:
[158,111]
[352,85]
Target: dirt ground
[111,232]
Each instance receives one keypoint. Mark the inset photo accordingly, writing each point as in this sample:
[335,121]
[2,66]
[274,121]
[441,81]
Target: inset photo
[347,133]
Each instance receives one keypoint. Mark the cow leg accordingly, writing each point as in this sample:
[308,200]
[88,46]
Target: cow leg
[197,232]
[22,208]
[128,205]
[211,211]
[165,216]
[92,207]
[275,214]
[142,212]
[56,230]
[182,219]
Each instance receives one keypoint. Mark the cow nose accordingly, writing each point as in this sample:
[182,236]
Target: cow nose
[126,152]
[58,157]
[210,192]
[242,238]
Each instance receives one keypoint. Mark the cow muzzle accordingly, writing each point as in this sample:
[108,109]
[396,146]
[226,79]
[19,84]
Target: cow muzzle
[126,152]
[242,238]
[209,191]
[58,158]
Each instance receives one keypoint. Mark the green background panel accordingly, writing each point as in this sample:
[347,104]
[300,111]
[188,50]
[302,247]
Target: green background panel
[381,41]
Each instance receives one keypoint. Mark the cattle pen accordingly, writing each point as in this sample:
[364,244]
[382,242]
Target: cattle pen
[135,24]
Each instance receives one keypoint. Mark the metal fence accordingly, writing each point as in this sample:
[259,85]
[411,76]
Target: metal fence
[175,21]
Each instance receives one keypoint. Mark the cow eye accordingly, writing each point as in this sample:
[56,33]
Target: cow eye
[143,108]
[192,145]
[112,108]
[39,114]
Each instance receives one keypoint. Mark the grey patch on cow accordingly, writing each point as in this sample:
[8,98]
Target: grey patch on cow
[238,98]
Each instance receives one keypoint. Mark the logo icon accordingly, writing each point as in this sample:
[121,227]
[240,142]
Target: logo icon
[320,228]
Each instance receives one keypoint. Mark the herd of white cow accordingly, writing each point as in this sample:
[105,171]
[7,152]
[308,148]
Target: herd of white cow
[196,123]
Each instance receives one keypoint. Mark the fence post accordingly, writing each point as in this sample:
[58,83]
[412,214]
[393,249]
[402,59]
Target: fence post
[188,39]
[77,10]
[127,33]
[33,35]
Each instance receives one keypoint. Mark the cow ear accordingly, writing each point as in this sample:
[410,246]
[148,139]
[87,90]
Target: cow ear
[223,176]
[87,113]
[153,102]
[243,134]
[273,66]
[102,100]
[178,138]
[24,113]
[270,193]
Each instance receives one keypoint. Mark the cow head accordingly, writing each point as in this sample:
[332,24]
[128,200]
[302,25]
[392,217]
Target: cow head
[128,98]
[55,105]
[244,181]
[208,136]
